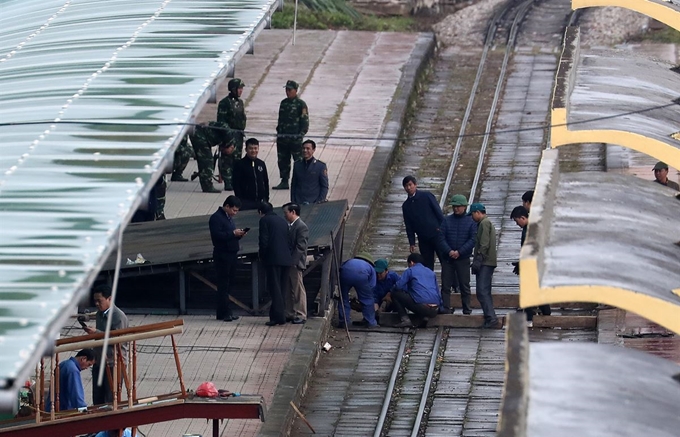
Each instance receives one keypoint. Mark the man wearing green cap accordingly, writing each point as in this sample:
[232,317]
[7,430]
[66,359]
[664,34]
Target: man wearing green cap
[485,248]
[358,273]
[661,176]
[458,239]
[231,115]
[291,128]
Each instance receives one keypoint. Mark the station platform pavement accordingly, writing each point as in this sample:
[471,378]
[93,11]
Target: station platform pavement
[356,85]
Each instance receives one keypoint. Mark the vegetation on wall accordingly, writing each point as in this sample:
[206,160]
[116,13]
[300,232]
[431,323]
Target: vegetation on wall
[336,14]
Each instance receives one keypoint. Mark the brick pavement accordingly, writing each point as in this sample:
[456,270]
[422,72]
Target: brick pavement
[245,356]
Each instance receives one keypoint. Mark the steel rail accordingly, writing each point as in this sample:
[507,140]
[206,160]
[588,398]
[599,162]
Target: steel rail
[390,387]
[428,382]
[521,13]
[494,24]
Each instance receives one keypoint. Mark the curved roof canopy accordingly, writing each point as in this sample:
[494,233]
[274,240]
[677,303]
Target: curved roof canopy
[616,97]
[668,12]
[93,95]
[602,238]
[585,390]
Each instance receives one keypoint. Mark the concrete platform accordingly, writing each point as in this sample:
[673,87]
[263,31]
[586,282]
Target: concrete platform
[347,79]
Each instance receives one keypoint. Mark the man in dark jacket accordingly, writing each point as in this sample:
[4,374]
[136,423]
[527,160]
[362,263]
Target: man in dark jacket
[249,178]
[458,239]
[298,239]
[422,217]
[310,177]
[225,239]
[276,258]
[520,215]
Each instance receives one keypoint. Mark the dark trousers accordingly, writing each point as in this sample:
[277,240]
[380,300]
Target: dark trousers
[456,273]
[483,286]
[428,248]
[101,394]
[276,277]
[225,267]
[287,148]
[531,312]
[403,301]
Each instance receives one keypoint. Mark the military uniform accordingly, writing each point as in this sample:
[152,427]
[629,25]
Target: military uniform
[231,115]
[291,128]
[183,154]
[202,140]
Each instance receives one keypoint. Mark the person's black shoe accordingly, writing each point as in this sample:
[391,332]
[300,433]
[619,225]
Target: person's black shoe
[496,324]
[211,189]
[177,177]
[230,318]
[194,175]
[405,323]
[274,323]
[467,313]
[289,319]
[283,185]
[298,321]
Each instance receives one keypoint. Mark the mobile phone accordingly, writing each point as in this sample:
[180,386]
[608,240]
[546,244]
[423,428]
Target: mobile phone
[81,320]
[246,230]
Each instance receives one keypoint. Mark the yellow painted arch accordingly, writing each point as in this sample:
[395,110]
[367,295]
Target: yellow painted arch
[662,11]
[560,135]
[658,311]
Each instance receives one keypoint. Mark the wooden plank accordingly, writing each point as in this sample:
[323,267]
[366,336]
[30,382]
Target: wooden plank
[565,322]
[507,300]
[447,320]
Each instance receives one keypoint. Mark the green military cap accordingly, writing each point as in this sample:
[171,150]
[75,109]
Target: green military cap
[366,257]
[477,207]
[458,200]
[381,265]
[291,84]
[235,83]
[660,166]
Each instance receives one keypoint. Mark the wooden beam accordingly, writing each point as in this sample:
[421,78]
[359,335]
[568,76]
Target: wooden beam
[507,300]
[119,332]
[214,287]
[565,322]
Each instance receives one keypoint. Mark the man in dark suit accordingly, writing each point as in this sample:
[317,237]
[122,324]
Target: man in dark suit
[422,217]
[275,255]
[298,238]
[249,177]
[310,177]
[225,238]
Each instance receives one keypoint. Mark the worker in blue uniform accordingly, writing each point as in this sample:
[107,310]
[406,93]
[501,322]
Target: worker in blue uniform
[71,392]
[358,272]
[386,279]
[417,291]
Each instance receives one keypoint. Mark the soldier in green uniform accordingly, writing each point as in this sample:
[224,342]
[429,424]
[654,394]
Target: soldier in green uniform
[183,154]
[292,127]
[231,115]
[202,140]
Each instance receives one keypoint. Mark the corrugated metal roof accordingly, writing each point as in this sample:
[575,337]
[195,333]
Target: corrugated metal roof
[90,96]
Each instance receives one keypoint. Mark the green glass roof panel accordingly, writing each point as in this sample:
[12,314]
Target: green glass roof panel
[93,95]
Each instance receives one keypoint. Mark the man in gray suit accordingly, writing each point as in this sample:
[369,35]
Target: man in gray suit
[298,237]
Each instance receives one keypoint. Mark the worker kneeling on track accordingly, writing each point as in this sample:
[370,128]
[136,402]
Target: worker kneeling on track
[417,291]
[358,272]
[382,299]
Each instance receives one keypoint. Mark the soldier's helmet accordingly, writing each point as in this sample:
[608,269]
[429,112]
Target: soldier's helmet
[235,83]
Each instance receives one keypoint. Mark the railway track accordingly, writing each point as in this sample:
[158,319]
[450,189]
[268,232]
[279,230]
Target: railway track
[448,382]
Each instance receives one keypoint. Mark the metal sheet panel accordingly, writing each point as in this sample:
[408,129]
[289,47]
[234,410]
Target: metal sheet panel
[93,97]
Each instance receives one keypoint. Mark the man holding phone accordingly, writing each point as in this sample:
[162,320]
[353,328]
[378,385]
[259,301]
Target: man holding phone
[225,238]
